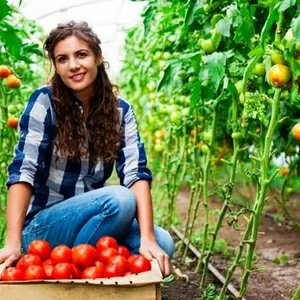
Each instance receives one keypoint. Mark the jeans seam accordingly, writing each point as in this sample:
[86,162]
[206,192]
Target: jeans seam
[96,228]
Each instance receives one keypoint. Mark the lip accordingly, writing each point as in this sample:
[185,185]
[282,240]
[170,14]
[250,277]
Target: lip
[78,77]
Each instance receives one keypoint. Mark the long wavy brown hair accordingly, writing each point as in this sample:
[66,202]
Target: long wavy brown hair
[71,132]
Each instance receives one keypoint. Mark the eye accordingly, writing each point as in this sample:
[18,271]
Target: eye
[61,59]
[82,54]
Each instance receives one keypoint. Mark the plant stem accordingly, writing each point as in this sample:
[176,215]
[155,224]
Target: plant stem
[205,192]
[236,151]
[265,181]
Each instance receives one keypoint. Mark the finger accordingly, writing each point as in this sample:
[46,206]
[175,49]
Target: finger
[167,265]
[160,259]
[9,261]
[147,254]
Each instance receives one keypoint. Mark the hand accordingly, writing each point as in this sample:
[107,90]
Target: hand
[150,249]
[8,255]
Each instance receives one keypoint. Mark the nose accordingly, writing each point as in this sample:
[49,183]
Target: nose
[73,64]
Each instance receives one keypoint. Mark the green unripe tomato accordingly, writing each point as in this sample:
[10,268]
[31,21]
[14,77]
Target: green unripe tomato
[239,86]
[185,112]
[277,58]
[204,148]
[207,46]
[237,135]
[11,109]
[207,135]
[159,147]
[259,69]
[192,79]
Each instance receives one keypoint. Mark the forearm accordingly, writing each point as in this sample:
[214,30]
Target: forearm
[17,204]
[142,193]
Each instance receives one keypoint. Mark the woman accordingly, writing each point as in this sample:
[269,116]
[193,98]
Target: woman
[71,133]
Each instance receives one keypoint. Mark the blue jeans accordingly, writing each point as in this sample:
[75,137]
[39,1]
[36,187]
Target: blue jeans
[86,217]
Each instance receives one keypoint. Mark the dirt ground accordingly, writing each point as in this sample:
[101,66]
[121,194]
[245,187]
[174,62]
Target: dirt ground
[268,280]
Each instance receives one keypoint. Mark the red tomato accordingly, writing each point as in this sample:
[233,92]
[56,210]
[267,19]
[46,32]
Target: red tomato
[84,255]
[140,264]
[111,270]
[106,254]
[12,274]
[35,272]
[28,260]
[121,263]
[92,273]
[60,254]
[76,272]
[47,262]
[123,251]
[106,242]
[48,270]
[40,248]
[62,270]
[131,258]
[100,266]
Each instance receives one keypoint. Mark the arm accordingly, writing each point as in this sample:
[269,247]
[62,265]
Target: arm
[133,173]
[15,214]
[149,247]
[34,132]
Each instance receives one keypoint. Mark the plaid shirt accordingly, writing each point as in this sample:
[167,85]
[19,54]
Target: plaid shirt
[54,180]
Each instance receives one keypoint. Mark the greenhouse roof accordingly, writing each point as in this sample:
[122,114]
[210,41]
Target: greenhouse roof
[108,18]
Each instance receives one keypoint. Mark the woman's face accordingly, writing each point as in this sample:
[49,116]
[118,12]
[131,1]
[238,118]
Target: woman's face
[76,64]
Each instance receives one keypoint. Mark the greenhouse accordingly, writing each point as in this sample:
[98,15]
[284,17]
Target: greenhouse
[150,149]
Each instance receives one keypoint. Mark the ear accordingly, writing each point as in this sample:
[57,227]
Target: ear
[99,61]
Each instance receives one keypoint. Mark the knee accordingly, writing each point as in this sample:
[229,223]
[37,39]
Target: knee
[165,240]
[124,199]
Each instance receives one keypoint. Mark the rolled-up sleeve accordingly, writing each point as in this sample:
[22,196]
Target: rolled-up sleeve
[132,161]
[34,137]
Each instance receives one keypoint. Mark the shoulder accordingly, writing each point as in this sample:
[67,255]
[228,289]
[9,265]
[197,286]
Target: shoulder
[41,96]
[123,104]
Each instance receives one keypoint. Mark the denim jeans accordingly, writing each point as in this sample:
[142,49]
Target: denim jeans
[84,218]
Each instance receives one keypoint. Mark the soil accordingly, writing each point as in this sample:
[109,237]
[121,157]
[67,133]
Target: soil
[276,271]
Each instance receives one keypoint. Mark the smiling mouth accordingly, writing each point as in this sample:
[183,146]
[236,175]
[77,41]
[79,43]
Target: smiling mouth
[78,77]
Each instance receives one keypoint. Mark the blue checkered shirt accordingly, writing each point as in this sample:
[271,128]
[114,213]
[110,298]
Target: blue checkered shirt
[55,180]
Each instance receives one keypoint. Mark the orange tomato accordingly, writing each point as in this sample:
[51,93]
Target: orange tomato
[296,132]
[4,71]
[279,75]
[284,172]
[12,122]
[13,82]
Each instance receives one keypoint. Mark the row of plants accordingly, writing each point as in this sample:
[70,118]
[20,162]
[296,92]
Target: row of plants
[20,56]
[216,87]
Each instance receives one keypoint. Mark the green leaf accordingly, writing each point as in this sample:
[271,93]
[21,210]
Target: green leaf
[286,4]
[10,39]
[167,77]
[223,26]
[4,9]
[245,28]
[212,73]
[32,49]
[272,17]
[249,69]
[295,25]
[189,15]
[195,94]
[148,16]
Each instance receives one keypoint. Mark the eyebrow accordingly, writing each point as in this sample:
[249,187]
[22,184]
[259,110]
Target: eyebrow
[62,54]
